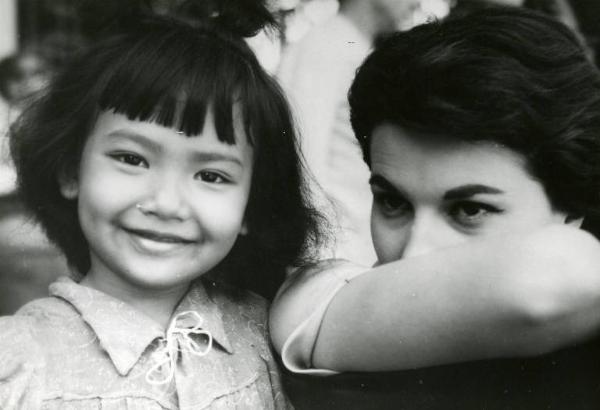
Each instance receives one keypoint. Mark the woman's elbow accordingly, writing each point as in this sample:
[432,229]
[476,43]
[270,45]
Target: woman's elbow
[557,291]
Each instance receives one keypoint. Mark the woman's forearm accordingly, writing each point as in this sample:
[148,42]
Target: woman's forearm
[509,296]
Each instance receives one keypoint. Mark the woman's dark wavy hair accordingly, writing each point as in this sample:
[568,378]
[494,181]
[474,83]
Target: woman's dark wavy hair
[507,75]
[142,72]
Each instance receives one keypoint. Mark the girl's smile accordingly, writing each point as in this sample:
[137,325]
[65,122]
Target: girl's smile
[158,208]
[157,243]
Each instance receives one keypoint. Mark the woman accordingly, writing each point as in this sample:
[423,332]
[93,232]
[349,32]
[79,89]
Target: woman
[483,138]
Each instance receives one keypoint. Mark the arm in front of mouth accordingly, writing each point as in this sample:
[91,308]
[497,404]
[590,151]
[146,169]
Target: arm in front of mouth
[508,296]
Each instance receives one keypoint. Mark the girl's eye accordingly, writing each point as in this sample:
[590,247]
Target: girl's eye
[130,159]
[212,177]
[391,205]
[472,213]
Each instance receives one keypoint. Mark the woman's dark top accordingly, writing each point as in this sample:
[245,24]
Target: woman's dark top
[566,380]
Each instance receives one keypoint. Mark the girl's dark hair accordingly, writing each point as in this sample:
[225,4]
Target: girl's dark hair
[143,71]
[506,75]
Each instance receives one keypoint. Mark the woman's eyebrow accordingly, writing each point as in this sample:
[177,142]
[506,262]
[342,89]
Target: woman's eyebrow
[381,182]
[467,191]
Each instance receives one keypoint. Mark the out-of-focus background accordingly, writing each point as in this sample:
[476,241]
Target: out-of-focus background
[38,36]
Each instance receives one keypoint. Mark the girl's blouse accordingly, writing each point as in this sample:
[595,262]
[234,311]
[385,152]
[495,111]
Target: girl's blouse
[80,348]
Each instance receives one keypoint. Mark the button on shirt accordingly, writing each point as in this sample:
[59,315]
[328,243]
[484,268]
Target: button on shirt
[82,349]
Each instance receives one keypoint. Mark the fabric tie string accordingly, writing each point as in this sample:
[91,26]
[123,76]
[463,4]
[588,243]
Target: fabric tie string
[177,339]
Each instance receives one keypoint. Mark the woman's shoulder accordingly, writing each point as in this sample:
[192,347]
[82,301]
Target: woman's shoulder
[306,294]
[317,279]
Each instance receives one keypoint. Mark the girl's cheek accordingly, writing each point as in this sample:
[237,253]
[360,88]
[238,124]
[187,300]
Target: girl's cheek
[224,212]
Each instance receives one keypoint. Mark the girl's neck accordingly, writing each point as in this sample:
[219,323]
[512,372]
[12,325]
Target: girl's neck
[157,304]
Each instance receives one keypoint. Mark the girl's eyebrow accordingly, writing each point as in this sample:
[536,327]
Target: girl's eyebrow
[199,156]
[216,157]
[135,137]
[467,191]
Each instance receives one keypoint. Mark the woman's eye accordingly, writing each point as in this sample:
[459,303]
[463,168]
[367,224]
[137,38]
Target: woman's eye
[212,177]
[391,205]
[470,212]
[130,159]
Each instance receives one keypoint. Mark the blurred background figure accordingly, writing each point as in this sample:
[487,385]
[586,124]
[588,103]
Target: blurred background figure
[316,73]
[27,261]
[40,36]
[21,76]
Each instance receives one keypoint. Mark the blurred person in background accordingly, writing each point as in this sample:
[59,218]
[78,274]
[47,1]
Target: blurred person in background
[28,263]
[21,76]
[316,73]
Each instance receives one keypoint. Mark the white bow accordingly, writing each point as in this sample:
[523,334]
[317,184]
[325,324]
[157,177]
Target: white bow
[177,339]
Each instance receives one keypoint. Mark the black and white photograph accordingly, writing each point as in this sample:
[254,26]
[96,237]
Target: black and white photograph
[300,204]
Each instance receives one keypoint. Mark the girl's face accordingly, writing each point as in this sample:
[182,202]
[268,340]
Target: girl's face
[158,208]
[431,193]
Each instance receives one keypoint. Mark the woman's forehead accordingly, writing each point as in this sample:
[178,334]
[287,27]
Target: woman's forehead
[427,162]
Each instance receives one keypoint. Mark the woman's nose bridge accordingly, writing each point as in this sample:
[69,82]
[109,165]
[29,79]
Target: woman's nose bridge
[424,234]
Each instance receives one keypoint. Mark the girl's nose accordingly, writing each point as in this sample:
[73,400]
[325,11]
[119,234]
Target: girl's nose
[166,199]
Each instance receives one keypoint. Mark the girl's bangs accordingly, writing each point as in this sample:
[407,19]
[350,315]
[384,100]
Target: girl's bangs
[175,84]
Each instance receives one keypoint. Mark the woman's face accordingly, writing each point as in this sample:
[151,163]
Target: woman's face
[431,193]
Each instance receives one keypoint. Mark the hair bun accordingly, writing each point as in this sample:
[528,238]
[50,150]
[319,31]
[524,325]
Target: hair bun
[244,18]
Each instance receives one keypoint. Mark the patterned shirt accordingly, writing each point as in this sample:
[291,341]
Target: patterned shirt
[82,349]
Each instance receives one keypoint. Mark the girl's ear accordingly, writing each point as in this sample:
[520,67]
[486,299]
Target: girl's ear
[574,221]
[69,188]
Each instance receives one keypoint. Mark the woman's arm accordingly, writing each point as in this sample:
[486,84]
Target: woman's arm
[517,295]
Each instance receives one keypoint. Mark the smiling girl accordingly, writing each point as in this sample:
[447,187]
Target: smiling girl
[162,161]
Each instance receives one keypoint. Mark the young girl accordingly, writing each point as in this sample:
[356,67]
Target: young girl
[162,161]
[482,134]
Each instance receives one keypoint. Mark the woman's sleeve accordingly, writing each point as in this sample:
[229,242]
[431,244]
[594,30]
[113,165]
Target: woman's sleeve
[511,295]
[299,308]
[20,365]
